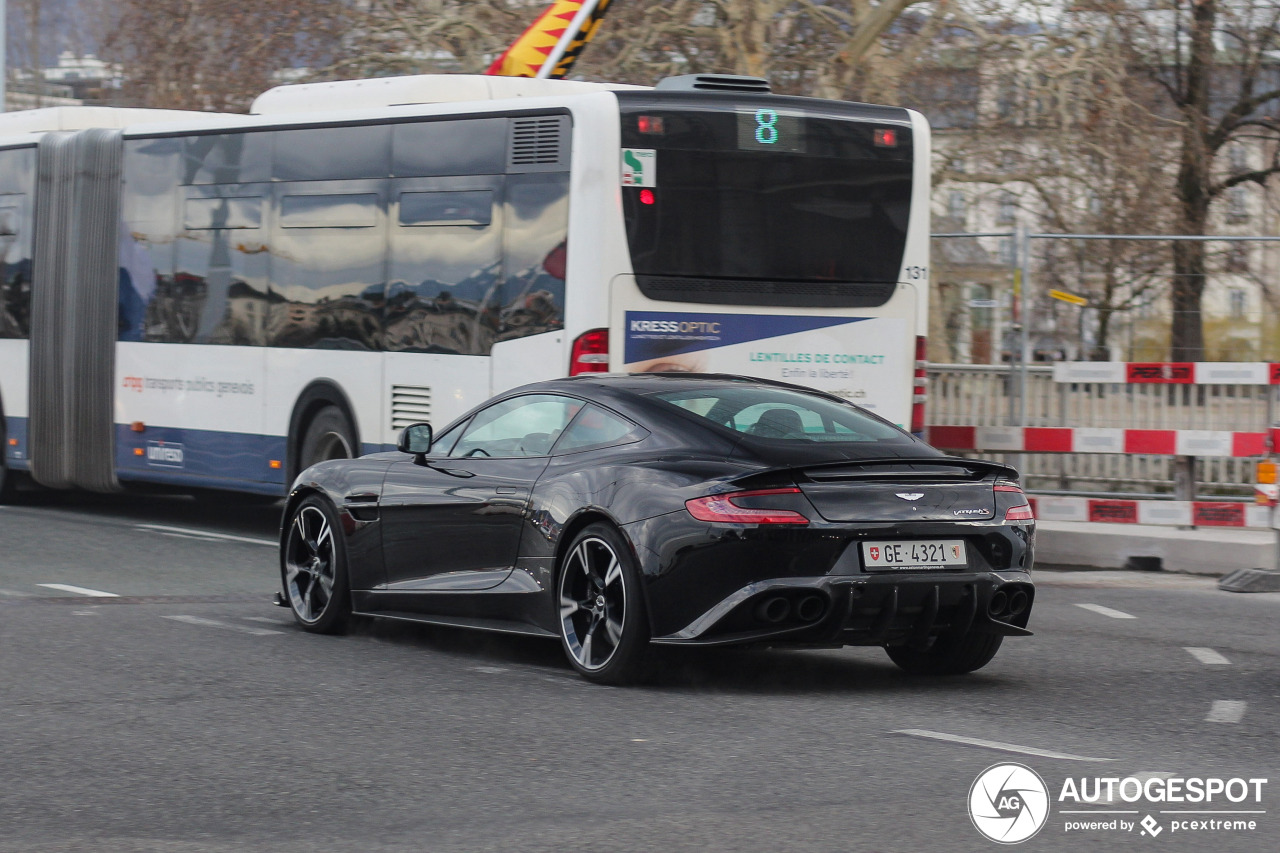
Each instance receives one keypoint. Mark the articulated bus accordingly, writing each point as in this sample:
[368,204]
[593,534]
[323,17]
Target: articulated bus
[218,301]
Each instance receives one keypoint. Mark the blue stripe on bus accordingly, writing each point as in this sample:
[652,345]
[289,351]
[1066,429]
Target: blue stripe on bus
[200,457]
[185,457]
[16,455]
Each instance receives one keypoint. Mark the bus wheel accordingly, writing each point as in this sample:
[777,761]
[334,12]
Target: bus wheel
[328,436]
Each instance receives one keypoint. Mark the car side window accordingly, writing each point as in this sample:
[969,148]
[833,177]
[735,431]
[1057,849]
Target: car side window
[442,443]
[520,426]
[596,427]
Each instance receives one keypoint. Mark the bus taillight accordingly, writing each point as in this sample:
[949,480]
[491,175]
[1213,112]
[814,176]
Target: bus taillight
[590,353]
[920,391]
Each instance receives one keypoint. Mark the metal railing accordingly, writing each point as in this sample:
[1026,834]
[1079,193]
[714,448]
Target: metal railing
[981,395]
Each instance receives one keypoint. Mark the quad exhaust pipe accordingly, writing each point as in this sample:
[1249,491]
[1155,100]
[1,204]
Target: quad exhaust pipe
[1008,602]
[778,608]
[810,608]
[773,609]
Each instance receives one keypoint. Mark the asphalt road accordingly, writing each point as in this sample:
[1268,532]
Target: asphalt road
[188,714]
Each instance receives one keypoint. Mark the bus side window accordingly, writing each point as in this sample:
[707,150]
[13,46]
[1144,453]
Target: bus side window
[445,261]
[451,147]
[221,280]
[536,217]
[149,231]
[227,158]
[328,247]
[15,243]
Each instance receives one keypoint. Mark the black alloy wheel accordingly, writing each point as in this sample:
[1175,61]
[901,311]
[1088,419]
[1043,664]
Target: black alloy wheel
[328,436]
[603,627]
[948,656]
[313,568]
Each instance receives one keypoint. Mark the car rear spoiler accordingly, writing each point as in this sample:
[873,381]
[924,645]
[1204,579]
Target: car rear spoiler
[869,469]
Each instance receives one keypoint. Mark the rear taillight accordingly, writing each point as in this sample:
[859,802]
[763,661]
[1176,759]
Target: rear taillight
[723,508]
[1021,512]
[920,386]
[590,353]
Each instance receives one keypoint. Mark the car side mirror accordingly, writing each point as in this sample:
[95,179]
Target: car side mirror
[415,439]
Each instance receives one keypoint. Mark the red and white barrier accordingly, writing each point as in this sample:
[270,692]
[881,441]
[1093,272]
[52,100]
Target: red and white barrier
[1177,513]
[1158,442]
[1168,372]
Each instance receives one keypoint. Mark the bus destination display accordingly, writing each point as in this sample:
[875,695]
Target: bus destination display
[767,129]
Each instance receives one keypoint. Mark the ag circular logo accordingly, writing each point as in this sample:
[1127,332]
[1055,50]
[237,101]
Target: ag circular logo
[1008,803]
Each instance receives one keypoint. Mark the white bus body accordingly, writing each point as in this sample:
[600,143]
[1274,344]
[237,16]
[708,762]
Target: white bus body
[280,296]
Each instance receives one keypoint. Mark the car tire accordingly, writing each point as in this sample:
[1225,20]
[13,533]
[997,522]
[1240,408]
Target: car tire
[313,568]
[328,436]
[948,657]
[604,628]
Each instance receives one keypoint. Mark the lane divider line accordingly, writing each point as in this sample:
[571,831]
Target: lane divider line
[1208,657]
[1107,611]
[214,623]
[991,744]
[1226,711]
[205,534]
[79,590]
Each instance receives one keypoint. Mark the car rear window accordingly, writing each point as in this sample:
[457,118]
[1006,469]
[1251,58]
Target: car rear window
[781,415]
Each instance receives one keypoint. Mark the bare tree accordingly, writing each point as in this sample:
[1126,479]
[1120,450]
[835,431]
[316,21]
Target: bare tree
[429,36]
[218,54]
[1214,61]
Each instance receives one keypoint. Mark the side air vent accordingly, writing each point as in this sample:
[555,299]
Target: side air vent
[714,83]
[410,404]
[537,144]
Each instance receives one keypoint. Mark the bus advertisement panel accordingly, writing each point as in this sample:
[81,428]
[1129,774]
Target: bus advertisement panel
[859,358]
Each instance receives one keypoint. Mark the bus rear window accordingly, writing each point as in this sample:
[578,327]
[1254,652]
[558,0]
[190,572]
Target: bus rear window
[755,203]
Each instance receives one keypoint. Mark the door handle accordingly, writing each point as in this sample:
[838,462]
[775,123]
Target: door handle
[507,490]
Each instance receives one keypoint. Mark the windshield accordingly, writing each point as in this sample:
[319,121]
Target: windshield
[765,201]
[779,414]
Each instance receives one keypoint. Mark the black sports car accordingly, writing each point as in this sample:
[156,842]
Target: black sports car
[619,511]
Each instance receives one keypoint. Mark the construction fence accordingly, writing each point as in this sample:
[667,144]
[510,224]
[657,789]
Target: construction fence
[1007,306]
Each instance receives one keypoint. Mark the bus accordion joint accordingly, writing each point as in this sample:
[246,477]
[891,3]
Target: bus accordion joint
[590,352]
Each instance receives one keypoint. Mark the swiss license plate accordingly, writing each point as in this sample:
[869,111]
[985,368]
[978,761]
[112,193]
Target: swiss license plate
[914,555]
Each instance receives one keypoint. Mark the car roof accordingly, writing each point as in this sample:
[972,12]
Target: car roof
[648,383]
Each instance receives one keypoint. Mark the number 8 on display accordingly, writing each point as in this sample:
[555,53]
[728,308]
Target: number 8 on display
[766,127]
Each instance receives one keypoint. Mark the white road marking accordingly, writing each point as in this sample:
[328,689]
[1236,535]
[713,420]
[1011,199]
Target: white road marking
[1107,611]
[991,744]
[205,534]
[214,623]
[84,612]
[266,619]
[11,593]
[490,670]
[1208,657]
[79,590]
[1226,711]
